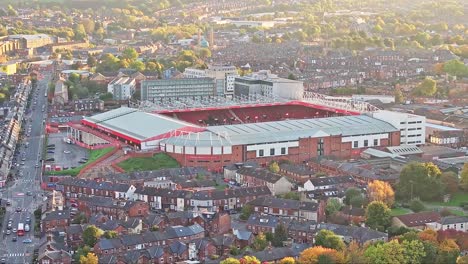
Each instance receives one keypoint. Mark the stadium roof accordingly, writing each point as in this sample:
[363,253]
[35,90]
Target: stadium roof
[137,124]
[280,131]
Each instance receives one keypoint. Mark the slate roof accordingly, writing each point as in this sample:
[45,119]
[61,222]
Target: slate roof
[184,231]
[92,184]
[304,226]
[177,247]
[360,234]
[57,215]
[325,181]
[269,201]
[260,173]
[231,193]
[106,244]
[242,235]
[297,169]
[454,220]
[263,220]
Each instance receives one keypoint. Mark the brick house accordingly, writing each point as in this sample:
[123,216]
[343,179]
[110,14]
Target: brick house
[289,208]
[297,173]
[277,184]
[115,208]
[53,252]
[302,231]
[264,223]
[55,219]
[74,187]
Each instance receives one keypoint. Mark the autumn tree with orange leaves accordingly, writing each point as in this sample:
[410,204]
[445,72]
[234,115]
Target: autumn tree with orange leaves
[381,191]
[313,254]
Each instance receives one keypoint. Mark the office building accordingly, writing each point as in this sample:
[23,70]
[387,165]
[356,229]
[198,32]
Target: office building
[154,90]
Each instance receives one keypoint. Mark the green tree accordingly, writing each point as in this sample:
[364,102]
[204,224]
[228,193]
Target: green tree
[91,235]
[378,216]
[291,76]
[428,87]
[91,61]
[391,252]
[456,68]
[88,25]
[399,97]
[464,177]
[280,235]
[81,251]
[328,239]
[204,53]
[333,205]
[420,180]
[138,66]
[450,181]
[79,32]
[130,54]
[110,234]
[417,206]
[350,193]
[274,167]
[430,251]
[413,251]
[246,211]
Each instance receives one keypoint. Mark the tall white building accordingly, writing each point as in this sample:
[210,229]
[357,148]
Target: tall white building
[223,76]
[412,127]
[122,88]
[266,84]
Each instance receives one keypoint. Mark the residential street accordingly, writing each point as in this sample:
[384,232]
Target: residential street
[25,193]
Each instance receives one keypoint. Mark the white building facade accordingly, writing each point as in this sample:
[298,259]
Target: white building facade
[122,88]
[223,75]
[412,127]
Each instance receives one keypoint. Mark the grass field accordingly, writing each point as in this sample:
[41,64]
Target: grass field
[93,155]
[400,211]
[456,200]
[158,161]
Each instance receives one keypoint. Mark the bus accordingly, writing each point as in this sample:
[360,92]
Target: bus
[20,231]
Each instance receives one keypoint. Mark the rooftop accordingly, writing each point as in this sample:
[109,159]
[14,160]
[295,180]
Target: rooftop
[419,219]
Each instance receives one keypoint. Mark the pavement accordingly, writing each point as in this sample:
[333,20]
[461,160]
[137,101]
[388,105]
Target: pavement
[65,155]
[16,192]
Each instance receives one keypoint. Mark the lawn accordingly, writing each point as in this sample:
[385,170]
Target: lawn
[457,212]
[400,211]
[457,199]
[158,161]
[93,155]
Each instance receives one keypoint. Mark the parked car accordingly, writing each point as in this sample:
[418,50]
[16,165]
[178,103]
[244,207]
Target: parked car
[27,241]
[26,228]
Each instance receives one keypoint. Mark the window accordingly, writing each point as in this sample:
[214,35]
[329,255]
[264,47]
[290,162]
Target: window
[376,142]
[260,153]
[366,143]
[272,152]
[320,149]
[355,144]
[402,123]
[283,151]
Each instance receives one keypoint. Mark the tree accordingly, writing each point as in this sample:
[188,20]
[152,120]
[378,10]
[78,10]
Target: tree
[88,25]
[280,235]
[399,97]
[291,76]
[246,211]
[464,177]
[204,53]
[110,234]
[358,201]
[378,216]
[311,255]
[456,68]
[137,65]
[448,252]
[333,205]
[129,54]
[230,261]
[274,167]
[260,242]
[420,180]
[416,206]
[350,193]
[289,260]
[249,260]
[450,181]
[328,239]
[391,252]
[108,63]
[91,235]
[154,228]
[431,251]
[381,191]
[428,87]
[91,61]
[428,235]
[81,251]
[90,258]
[413,251]
[354,253]
[80,32]
[106,97]
[460,260]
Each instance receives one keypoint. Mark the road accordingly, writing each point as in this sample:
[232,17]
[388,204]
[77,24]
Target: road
[17,193]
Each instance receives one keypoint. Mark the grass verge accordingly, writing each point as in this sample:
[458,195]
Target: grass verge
[93,156]
[399,211]
[158,161]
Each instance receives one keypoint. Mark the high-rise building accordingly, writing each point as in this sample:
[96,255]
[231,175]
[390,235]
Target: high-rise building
[154,90]
[412,127]
[223,76]
[122,88]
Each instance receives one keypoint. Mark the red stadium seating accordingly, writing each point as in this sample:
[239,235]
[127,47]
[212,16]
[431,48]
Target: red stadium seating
[250,114]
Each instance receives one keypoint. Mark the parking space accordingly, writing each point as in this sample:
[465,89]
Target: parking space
[64,154]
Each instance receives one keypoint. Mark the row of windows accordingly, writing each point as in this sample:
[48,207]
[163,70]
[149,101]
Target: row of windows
[412,122]
[261,152]
[366,143]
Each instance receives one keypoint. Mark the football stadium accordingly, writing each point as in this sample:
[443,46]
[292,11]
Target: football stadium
[217,132]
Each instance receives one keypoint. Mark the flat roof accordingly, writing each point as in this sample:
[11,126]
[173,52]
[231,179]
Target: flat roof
[137,124]
[281,131]
[440,127]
